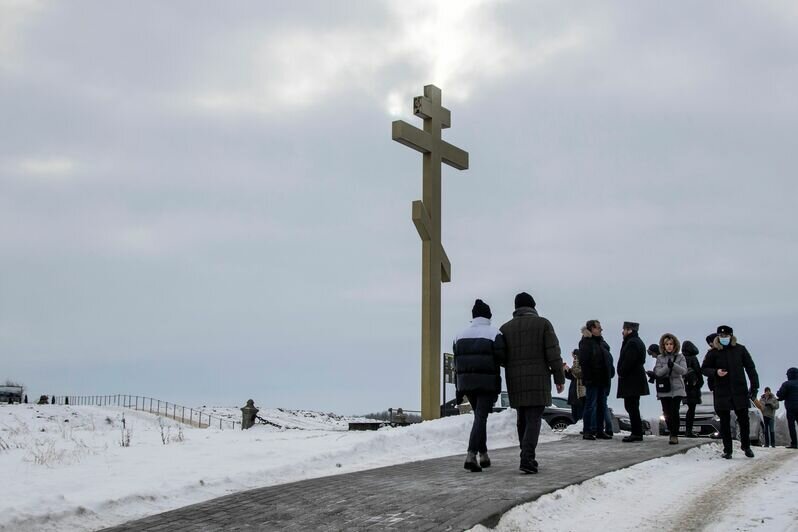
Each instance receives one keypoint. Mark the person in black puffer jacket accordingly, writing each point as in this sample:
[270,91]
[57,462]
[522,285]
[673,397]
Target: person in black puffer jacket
[789,394]
[478,353]
[693,382]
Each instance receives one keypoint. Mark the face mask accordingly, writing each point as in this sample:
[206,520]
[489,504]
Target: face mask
[724,340]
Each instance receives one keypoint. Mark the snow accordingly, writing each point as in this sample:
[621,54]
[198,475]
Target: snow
[71,473]
[64,469]
[693,491]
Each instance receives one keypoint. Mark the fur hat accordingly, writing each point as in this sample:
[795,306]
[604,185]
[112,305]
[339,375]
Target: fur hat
[689,348]
[480,310]
[631,325]
[524,300]
[725,329]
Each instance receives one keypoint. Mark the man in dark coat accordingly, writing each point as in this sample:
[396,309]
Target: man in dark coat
[729,363]
[693,382]
[632,380]
[478,353]
[788,392]
[595,360]
[533,357]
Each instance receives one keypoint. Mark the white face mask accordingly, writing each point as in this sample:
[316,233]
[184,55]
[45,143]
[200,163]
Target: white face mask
[724,340]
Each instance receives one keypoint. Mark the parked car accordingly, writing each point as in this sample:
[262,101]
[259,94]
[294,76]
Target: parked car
[11,394]
[707,422]
[624,423]
[557,414]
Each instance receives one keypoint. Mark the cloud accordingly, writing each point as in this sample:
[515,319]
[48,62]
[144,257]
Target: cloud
[456,45]
[52,169]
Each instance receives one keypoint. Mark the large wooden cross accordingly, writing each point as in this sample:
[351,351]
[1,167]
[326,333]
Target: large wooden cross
[427,218]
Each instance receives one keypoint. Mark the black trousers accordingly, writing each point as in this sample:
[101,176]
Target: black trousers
[792,419]
[632,406]
[670,409]
[690,419]
[528,424]
[743,428]
[481,404]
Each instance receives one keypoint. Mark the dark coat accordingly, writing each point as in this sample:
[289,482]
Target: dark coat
[731,392]
[595,360]
[632,379]
[788,392]
[693,381]
[533,356]
[478,353]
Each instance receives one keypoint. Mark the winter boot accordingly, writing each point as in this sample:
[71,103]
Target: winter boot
[529,466]
[673,440]
[632,438]
[484,460]
[749,453]
[471,463]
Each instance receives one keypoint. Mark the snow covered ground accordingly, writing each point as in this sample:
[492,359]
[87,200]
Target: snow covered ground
[694,491]
[65,469]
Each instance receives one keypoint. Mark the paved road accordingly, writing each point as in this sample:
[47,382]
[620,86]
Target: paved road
[433,494]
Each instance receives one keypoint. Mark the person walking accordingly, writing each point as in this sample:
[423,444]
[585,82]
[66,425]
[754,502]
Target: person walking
[670,369]
[632,380]
[594,358]
[788,392]
[693,382]
[478,352]
[576,390]
[770,403]
[728,363]
[532,358]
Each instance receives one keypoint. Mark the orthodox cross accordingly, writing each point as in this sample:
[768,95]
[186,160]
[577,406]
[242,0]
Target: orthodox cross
[427,218]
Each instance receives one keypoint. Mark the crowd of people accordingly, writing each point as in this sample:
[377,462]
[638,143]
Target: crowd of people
[528,349]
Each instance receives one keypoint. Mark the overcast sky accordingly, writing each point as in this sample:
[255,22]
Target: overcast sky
[201,202]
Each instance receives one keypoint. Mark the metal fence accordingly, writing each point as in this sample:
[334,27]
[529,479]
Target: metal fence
[183,414]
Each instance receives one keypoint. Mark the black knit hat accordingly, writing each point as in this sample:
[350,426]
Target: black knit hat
[524,300]
[631,325]
[653,349]
[480,310]
[725,329]
[711,338]
[689,348]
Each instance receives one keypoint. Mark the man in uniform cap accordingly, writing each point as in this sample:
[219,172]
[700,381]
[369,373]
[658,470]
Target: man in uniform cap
[728,363]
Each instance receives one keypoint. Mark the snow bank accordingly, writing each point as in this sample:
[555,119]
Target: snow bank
[77,476]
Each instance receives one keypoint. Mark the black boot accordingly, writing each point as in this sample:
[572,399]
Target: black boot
[484,460]
[632,438]
[529,466]
[471,463]
[588,436]
[749,453]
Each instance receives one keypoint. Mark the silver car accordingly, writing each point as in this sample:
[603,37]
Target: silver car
[707,422]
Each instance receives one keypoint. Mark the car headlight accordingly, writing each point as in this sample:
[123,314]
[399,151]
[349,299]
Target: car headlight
[662,418]
[716,418]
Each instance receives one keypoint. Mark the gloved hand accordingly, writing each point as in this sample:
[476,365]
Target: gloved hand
[670,363]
